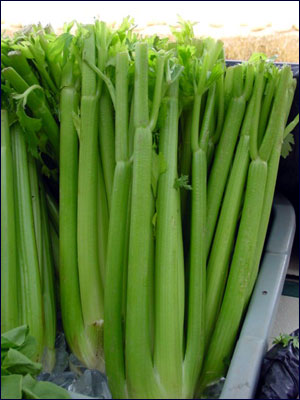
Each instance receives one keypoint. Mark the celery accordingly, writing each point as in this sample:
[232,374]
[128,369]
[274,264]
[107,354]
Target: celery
[9,266]
[68,269]
[226,228]
[168,324]
[18,61]
[103,220]
[54,247]
[91,286]
[271,179]
[106,142]
[252,225]
[113,332]
[114,335]
[31,295]
[139,368]
[38,106]
[47,285]
[36,206]
[167,170]
[53,206]
[225,149]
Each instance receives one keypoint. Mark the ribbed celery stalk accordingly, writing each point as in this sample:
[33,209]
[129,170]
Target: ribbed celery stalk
[19,62]
[267,105]
[225,149]
[29,267]
[131,127]
[139,366]
[210,155]
[106,114]
[220,103]
[141,377]
[9,267]
[197,279]
[141,106]
[224,236]
[245,252]
[36,206]
[228,85]
[271,181]
[217,128]
[47,284]
[114,335]
[103,221]
[227,223]
[68,269]
[38,106]
[138,343]
[107,142]
[168,351]
[113,332]
[91,288]
[186,158]
[160,63]
[121,147]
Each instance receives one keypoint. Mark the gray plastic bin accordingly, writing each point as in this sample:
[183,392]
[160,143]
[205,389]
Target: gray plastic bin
[244,370]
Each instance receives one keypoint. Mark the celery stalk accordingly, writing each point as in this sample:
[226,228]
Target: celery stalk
[9,267]
[31,293]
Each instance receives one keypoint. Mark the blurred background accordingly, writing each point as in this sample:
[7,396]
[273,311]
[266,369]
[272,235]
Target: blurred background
[244,26]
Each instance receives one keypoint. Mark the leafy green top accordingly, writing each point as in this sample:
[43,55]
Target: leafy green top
[285,339]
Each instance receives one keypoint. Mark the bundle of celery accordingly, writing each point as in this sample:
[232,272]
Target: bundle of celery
[167,166]
[27,275]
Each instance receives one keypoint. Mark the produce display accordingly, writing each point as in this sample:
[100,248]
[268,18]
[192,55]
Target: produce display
[137,182]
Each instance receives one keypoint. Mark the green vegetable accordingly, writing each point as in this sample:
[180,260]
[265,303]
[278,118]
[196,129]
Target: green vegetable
[169,290]
[91,286]
[225,150]
[116,250]
[37,104]
[30,290]
[18,370]
[47,275]
[9,266]
[70,300]
[33,389]
[136,196]
[106,141]
[53,210]
[256,204]
[11,387]
[285,339]
[224,238]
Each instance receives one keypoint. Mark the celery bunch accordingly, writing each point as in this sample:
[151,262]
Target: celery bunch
[164,164]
